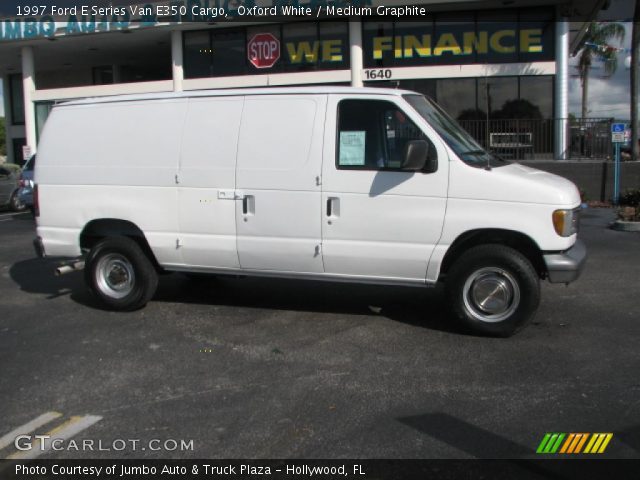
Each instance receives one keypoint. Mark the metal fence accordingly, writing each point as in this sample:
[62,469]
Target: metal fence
[528,139]
[590,138]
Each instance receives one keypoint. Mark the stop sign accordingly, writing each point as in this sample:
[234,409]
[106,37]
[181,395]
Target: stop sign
[263,50]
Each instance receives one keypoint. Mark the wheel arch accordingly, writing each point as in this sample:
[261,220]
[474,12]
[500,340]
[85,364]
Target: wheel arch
[511,238]
[100,228]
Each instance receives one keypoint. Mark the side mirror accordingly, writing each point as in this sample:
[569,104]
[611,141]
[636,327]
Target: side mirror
[418,157]
[415,155]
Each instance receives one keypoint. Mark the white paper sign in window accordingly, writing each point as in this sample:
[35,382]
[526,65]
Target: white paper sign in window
[352,148]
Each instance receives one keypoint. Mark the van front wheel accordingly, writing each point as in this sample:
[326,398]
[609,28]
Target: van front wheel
[493,290]
[120,274]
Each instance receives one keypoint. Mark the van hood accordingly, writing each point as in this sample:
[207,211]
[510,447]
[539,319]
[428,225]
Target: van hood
[517,183]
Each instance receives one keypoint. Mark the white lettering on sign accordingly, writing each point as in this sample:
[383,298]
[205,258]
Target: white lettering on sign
[263,50]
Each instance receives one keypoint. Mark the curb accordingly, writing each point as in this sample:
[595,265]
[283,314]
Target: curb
[623,226]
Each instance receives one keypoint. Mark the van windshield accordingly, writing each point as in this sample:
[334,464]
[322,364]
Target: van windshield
[460,141]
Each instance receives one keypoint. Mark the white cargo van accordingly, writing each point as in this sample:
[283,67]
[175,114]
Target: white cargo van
[335,183]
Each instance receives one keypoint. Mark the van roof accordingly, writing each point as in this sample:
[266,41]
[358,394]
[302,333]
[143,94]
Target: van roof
[319,90]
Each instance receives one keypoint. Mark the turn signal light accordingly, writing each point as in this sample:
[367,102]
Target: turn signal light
[565,222]
[559,221]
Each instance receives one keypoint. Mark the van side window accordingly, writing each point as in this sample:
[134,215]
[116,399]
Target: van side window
[372,135]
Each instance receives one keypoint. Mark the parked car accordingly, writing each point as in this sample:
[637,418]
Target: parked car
[9,189]
[25,183]
[362,185]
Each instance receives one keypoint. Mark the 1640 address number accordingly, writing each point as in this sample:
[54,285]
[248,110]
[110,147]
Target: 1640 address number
[378,74]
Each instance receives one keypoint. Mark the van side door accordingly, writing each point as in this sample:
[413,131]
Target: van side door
[380,221]
[206,182]
[278,180]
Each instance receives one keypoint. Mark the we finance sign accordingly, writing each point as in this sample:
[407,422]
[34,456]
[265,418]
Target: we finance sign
[418,48]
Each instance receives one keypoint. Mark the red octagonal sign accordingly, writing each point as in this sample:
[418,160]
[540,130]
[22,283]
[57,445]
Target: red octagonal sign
[263,50]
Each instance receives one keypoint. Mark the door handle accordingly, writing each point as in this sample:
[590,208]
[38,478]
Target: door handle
[248,205]
[333,207]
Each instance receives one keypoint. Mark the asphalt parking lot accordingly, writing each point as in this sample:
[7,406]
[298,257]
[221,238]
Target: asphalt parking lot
[250,368]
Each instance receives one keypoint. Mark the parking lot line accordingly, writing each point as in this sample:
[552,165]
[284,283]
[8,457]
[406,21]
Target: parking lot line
[28,427]
[65,431]
[12,214]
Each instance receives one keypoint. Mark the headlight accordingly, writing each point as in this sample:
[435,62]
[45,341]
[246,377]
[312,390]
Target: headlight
[566,222]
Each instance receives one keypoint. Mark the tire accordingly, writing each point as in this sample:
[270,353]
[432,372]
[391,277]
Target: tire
[15,204]
[120,275]
[493,290]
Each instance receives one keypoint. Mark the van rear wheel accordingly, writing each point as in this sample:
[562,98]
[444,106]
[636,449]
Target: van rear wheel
[493,290]
[120,274]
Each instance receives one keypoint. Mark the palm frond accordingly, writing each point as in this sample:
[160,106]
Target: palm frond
[600,34]
[611,31]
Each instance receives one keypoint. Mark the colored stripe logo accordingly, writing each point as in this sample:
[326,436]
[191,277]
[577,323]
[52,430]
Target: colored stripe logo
[572,443]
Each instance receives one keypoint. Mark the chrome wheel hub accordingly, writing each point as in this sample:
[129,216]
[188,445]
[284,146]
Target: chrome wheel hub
[491,294]
[115,276]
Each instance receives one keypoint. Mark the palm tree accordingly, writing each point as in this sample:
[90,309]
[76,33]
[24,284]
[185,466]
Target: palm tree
[635,54]
[596,44]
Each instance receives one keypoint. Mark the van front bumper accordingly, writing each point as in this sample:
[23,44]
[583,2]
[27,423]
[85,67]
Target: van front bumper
[565,267]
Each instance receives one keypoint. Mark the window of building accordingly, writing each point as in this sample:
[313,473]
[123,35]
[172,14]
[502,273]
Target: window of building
[43,109]
[198,54]
[537,91]
[274,30]
[301,47]
[504,36]
[304,46]
[537,34]
[457,96]
[497,39]
[102,75]
[466,98]
[229,52]
[450,35]
[496,95]
[377,38]
[16,100]
[17,145]
[334,38]
[373,134]
[315,46]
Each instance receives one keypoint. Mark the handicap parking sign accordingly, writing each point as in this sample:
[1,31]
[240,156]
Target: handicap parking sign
[617,132]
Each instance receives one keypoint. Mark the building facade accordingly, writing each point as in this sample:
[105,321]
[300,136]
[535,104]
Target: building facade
[482,61]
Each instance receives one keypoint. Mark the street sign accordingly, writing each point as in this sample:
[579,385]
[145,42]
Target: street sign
[263,50]
[617,128]
[26,152]
[617,132]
